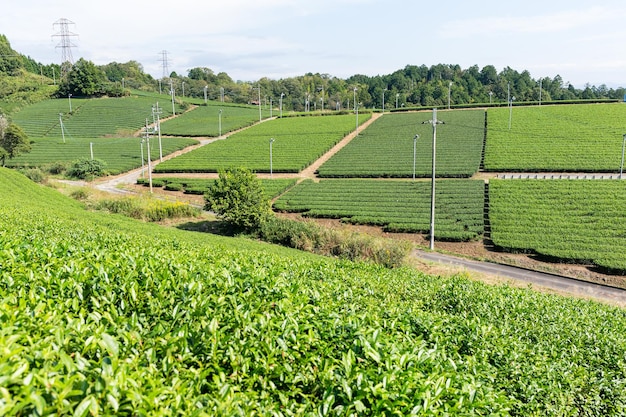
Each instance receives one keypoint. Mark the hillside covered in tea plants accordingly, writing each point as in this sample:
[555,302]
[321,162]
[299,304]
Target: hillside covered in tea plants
[106,315]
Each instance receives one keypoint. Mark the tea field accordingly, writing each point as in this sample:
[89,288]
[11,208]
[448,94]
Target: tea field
[575,138]
[119,154]
[385,149]
[399,206]
[205,120]
[104,315]
[298,142]
[577,220]
[90,118]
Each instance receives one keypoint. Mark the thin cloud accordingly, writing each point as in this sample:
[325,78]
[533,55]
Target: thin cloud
[548,23]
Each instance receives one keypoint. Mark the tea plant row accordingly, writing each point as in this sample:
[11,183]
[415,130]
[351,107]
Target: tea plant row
[399,206]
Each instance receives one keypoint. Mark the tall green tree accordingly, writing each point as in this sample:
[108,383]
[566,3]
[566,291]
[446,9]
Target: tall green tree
[83,79]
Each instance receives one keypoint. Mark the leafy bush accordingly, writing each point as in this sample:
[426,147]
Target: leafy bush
[311,237]
[56,168]
[34,174]
[238,198]
[80,194]
[84,168]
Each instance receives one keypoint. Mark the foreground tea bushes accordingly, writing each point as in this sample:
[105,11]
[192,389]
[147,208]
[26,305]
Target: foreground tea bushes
[102,315]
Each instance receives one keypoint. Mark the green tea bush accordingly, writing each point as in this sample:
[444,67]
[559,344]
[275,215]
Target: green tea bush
[84,168]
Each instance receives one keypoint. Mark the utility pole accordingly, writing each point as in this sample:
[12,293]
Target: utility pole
[156,111]
[91,149]
[434,122]
[62,129]
[143,175]
[260,116]
[147,137]
[172,94]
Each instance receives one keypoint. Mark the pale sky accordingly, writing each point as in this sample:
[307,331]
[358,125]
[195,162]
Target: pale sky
[582,41]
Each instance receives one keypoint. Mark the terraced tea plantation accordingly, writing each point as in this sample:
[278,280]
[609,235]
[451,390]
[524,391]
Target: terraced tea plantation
[385,149]
[90,118]
[103,315]
[578,220]
[398,206]
[205,120]
[298,142]
[576,138]
[119,154]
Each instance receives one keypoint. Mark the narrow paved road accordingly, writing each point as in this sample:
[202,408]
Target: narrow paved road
[555,282]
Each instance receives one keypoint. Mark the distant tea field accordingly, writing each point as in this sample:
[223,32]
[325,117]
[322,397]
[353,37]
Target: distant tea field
[386,148]
[576,138]
[297,142]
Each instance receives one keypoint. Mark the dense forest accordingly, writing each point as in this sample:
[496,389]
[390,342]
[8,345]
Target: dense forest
[24,79]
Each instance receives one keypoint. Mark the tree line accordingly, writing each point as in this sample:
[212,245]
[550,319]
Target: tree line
[412,86]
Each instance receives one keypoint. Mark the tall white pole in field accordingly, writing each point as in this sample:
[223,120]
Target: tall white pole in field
[158,128]
[434,122]
[621,169]
[415,138]
[281,104]
[271,168]
[143,174]
[172,94]
[149,158]
[62,129]
[384,99]
[219,123]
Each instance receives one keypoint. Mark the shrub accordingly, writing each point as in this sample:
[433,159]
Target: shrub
[150,209]
[311,237]
[84,168]
[34,174]
[80,194]
[56,168]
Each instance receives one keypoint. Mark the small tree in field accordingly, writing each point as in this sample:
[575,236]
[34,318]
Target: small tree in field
[13,141]
[237,198]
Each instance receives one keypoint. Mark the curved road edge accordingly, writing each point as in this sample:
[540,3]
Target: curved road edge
[555,282]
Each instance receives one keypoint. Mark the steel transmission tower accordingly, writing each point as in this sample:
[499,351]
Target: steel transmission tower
[65,42]
[165,64]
